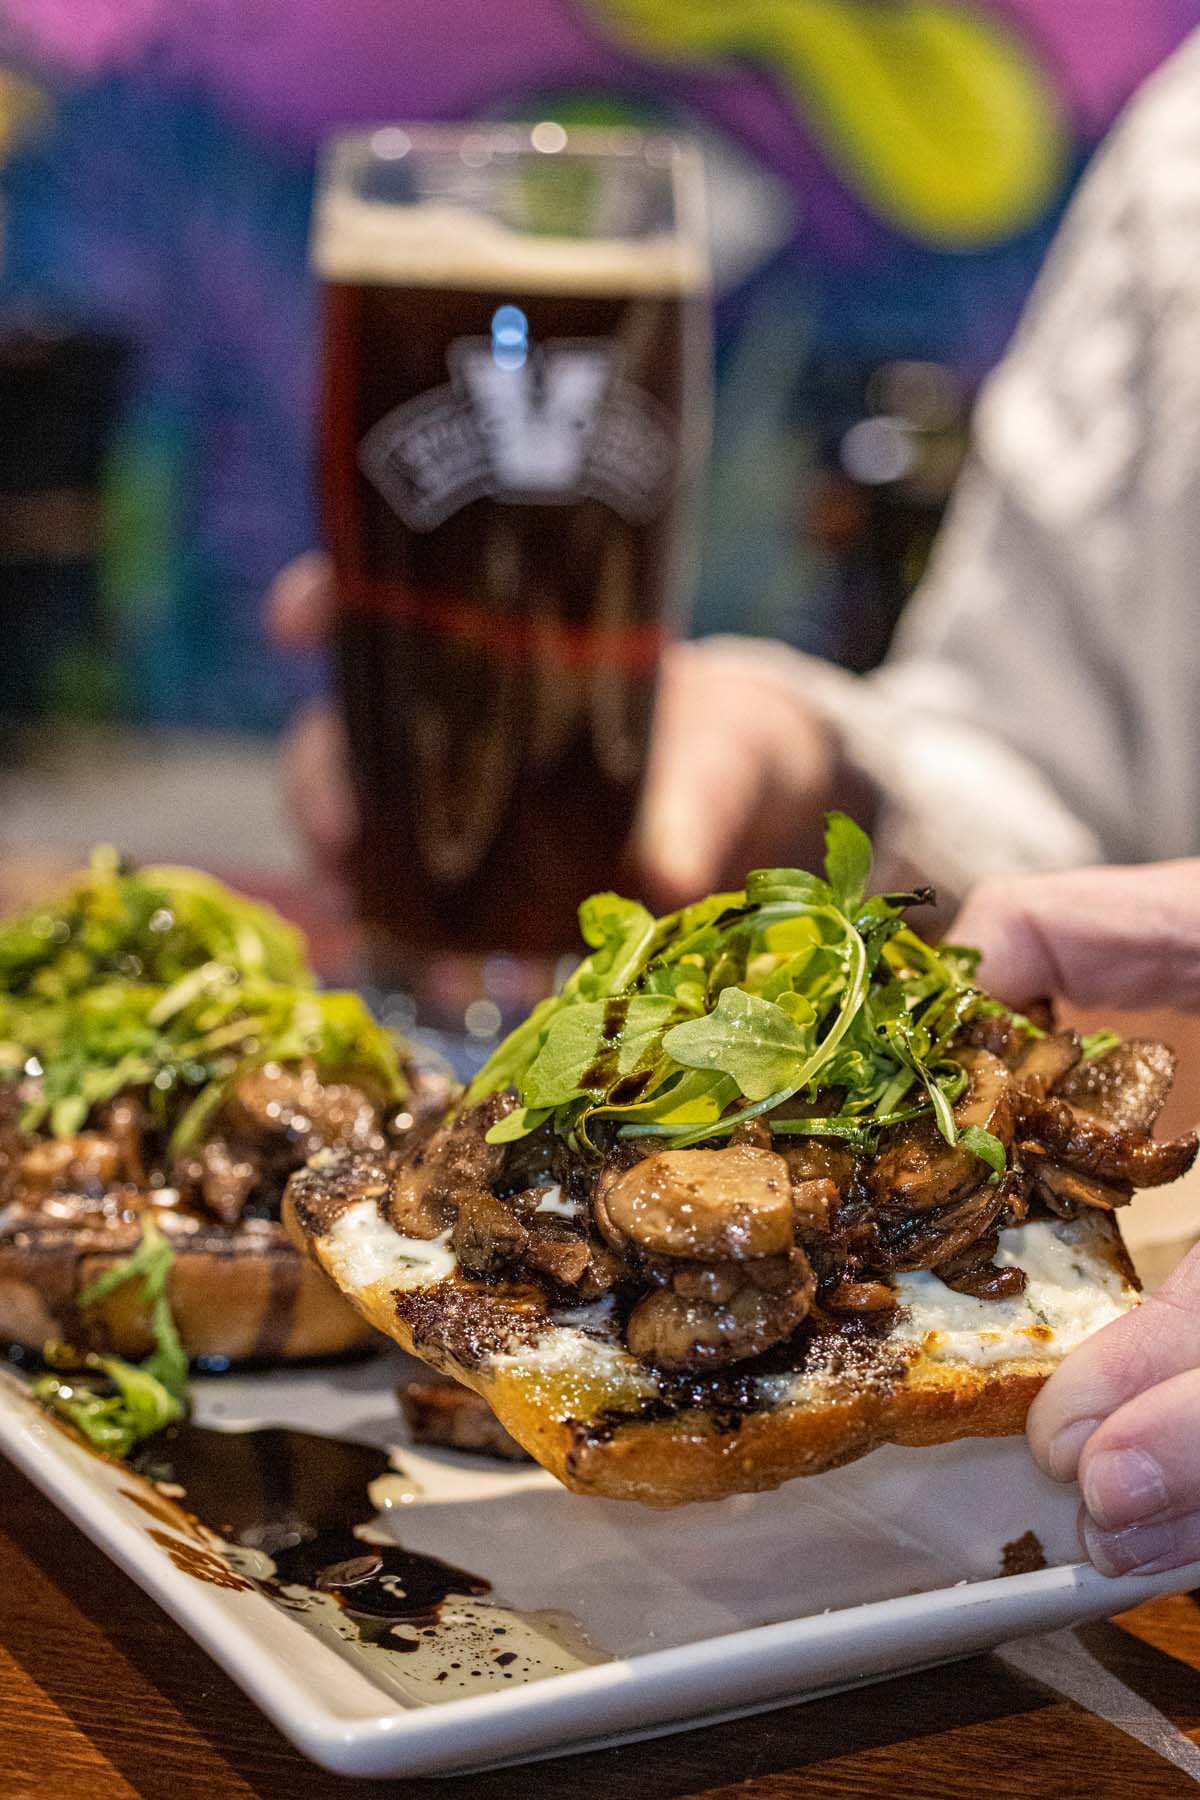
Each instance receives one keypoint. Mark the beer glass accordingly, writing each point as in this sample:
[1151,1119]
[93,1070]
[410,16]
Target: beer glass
[513,418]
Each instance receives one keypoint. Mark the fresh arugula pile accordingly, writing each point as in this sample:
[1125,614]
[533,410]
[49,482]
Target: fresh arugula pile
[164,983]
[800,997]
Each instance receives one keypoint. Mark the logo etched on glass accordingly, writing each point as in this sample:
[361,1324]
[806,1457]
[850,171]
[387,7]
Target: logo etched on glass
[543,423]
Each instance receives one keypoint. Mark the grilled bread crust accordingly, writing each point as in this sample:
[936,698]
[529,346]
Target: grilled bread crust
[598,1421]
[242,1295]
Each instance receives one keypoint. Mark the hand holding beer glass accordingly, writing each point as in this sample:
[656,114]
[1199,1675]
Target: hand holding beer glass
[514,418]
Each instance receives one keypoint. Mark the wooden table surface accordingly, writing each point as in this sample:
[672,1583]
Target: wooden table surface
[102,1697]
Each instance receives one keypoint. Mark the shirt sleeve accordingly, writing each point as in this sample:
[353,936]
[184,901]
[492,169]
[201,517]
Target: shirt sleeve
[1005,730]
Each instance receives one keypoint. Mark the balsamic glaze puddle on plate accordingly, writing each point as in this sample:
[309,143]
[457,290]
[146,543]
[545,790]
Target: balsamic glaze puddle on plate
[299,1499]
[305,1521]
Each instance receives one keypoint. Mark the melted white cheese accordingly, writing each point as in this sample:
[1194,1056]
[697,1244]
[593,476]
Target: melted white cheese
[552,1201]
[589,1315]
[366,1250]
[1071,1291]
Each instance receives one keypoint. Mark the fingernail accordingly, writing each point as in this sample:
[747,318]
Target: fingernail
[1143,1549]
[1062,1457]
[1122,1486]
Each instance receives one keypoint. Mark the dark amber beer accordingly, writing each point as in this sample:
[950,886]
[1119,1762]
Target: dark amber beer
[513,415]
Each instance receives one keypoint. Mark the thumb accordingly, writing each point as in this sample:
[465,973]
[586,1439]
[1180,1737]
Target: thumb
[1154,1343]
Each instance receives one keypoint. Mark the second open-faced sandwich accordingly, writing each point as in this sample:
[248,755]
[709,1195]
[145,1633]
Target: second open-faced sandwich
[166,1061]
[770,1183]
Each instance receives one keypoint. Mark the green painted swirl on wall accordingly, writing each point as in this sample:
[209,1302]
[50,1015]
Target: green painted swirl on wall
[938,115]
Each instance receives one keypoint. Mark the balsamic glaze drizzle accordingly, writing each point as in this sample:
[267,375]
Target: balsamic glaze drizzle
[298,1498]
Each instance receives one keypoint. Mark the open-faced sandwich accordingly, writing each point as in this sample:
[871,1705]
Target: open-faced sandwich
[166,1062]
[770,1183]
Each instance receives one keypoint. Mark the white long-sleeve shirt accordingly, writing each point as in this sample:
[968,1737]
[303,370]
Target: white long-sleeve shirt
[1040,705]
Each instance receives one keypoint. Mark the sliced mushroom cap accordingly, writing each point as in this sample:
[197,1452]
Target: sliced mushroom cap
[1128,1086]
[434,1173]
[89,1162]
[1066,1190]
[973,1272]
[998,1033]
[1090,1145]
[1046,1060]
[671,1331]
[126,1122]
[555,1248]
[860,1297]
[937,1236]
[818,1159]
[815,1204]
[486,1234]
[226,1180]
[714,1282]
[919,1170]
[709,1205]
[418,1204]
[988,1101]
[294,1103]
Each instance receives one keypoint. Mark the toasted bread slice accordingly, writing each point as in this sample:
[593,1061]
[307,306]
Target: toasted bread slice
[237,1295]
[566,1388]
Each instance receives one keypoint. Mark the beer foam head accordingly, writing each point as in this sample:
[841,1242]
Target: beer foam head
[440,243]
[446,246]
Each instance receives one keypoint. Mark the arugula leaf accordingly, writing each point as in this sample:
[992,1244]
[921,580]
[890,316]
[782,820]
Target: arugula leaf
[799,935]
[858,1134]
[112,1423]
[150,1264]
[591,1046]
[625,938]
[984,1145]
[141,1397]
[518,1124]
[151,924]
[621,932]
[755,1041]
[764,886]
[848,859]
[688,1098]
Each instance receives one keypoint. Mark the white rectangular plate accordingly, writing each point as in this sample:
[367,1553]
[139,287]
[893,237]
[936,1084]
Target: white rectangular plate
[657,1620]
